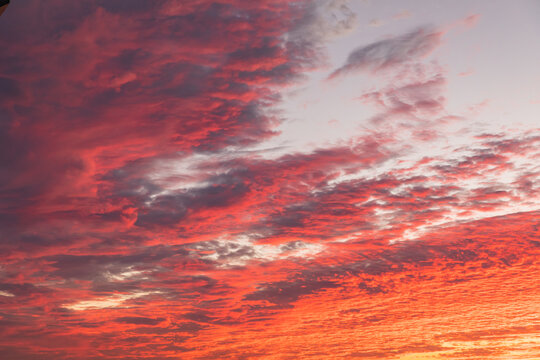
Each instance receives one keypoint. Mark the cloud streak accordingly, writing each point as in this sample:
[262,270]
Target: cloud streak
[390,52]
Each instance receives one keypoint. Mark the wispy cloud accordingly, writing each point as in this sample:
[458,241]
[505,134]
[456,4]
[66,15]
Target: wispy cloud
[390,52]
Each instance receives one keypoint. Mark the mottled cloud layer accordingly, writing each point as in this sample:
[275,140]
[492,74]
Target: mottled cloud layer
[138,220]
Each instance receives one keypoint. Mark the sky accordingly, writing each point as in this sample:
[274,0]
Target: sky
[272,179]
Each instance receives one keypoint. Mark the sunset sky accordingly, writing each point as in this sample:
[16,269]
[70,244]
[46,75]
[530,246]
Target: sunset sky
[269,179]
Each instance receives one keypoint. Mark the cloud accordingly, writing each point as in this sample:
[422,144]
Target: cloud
[285,292]
[390,52]
[102,96]
[420,102]
[139,218]
[9,88]
[139,320]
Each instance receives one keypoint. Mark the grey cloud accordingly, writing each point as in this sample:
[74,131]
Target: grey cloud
[283,293]
[292,245]
[390,52]
[321,21]
[133,6]
[9,88]
[92,267]
[23,290]
[223,191]
[189,327]
[157,209]
[225,250]
[139,320]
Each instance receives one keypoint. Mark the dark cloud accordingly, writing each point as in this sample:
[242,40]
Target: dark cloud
[225,250]
[189,327]
[131,7]
[223,191]
[139,320]
[9,89]
[284,293]
[99,268]
[99,103]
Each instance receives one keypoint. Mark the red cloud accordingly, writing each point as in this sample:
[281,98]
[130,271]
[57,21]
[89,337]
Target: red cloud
[136,223]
